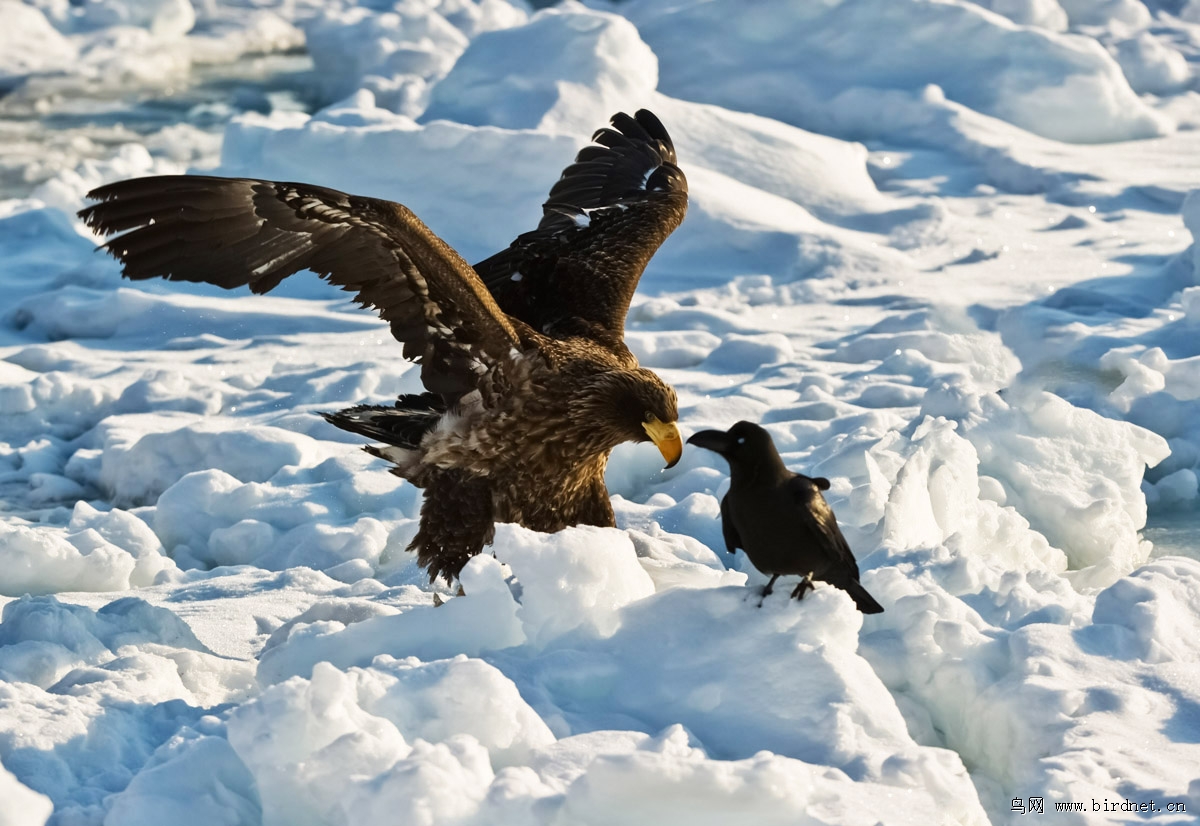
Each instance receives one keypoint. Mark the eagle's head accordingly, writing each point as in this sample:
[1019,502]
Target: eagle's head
[633,406]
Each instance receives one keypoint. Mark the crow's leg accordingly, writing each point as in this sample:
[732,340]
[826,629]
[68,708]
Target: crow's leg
[806,584]
[767,589]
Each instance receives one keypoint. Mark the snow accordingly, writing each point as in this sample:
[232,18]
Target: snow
[398,53]
[23,806]
[555,73]
[1151,66]
[1110,13]
[980,323]
[1060,86]
[1047,14]
[29,43]
[164,18]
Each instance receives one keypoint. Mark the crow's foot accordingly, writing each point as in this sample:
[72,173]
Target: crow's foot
[767,590]
[806,584]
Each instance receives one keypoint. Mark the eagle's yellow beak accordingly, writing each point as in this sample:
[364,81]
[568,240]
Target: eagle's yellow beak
[666,438]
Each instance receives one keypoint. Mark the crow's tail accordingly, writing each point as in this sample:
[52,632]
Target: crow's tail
[865,602]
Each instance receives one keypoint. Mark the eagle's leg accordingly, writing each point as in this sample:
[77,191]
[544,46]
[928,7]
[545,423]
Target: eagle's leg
[805,585]
[595,507]
[767,590]
[456,522]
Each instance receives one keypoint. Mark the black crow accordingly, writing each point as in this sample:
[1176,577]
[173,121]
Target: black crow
[779,518]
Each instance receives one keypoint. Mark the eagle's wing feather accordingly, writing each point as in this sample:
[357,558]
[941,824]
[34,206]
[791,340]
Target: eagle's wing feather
[605,217]
[233,232]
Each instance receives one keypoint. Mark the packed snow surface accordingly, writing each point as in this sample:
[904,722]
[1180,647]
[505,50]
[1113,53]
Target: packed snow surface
[941,249]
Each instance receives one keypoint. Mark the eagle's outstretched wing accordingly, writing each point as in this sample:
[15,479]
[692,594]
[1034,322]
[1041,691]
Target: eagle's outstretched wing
[232,232]
[607,215]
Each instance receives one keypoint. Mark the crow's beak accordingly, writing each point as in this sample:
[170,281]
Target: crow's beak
[666,438]
[718,441]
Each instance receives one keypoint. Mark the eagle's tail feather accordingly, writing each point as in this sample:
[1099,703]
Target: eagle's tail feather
[402,425]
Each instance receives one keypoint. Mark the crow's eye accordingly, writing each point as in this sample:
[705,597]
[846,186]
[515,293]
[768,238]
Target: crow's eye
[742,440]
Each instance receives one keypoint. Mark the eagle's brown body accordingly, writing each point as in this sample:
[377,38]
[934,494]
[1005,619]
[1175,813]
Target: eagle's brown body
[529,383]
[524,448]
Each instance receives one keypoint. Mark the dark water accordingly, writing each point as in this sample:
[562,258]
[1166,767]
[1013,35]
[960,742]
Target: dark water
[1174,534]
[51,124]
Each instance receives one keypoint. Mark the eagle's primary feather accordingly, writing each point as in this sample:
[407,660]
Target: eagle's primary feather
[529,383]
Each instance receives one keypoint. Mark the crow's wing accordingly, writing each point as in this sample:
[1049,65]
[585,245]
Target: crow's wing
[732,540]
[817,520]
[233,232]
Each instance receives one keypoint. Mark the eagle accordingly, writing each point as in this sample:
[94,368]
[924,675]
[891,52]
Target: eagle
[528,382]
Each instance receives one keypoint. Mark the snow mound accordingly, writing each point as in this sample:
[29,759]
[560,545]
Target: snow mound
[300,737]
[577,583]
[675,783]
[97,551]
[1047,688]
[790,61]
[28,43]
[42,639]
[397,52]
[826,176]
[164,18]
[571,583]
[87,696]
[1047,14]
[1089,501]
[1149,608]
[627,665]
[628,668]
[1132,14]
[210,518]
[1140,363]
[414,44]
[144,454]
[1152,67]
[566,70]
[191,778]
[22,805]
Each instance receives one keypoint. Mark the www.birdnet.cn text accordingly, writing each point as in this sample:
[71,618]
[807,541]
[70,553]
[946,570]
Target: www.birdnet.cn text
[1037,806]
